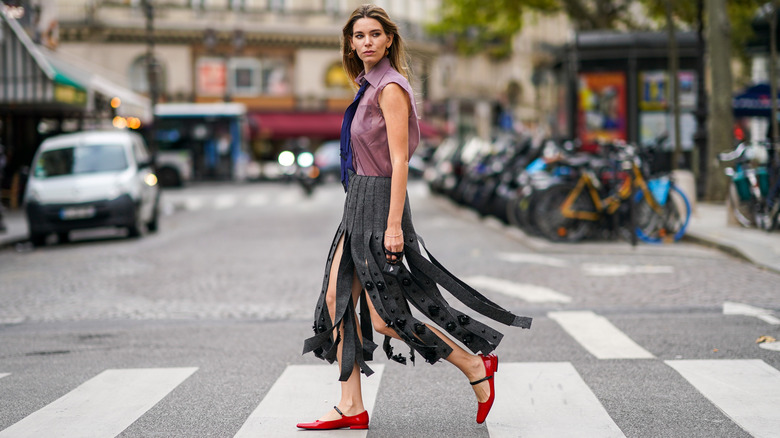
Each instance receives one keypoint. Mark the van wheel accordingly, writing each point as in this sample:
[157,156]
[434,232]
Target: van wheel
[138,228]
[38,239]
[169,177]
[63,237]
[153,224]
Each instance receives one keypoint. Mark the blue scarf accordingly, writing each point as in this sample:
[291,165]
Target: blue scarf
[346,136]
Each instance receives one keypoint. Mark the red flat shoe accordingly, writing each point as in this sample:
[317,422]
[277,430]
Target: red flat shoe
[359,421]
[491,367]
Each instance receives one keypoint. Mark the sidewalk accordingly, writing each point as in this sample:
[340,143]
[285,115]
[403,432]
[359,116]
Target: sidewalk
[16,227]
[708,227]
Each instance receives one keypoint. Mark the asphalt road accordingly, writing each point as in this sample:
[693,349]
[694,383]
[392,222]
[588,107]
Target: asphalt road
[187,331]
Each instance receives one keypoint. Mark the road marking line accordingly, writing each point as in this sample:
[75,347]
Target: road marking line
[771,346]
[527,292]
[4,374]
[256,200]
[193,204]
[547,399]
[103,406]
[599,336]
[599,270]
[289,198]
[747,391]
[730,308]
[223,202]
[304,393]
[517,257]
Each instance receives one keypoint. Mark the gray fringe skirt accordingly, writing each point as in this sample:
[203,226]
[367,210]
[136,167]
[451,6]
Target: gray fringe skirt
[391,291]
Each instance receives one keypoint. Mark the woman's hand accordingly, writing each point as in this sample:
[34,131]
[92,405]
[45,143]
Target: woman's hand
[394,246]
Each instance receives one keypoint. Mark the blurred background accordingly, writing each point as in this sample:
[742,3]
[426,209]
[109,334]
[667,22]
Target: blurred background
[584,70]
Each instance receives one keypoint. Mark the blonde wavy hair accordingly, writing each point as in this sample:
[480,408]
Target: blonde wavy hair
[353,66]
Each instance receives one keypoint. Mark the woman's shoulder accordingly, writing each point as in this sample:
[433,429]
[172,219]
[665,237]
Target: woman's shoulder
[393,76]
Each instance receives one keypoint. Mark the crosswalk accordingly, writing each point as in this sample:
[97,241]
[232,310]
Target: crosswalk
[248,197]
[537,399]
[103,406]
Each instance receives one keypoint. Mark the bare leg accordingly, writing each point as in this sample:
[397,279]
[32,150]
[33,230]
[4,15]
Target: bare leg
[469,364]
[351,402]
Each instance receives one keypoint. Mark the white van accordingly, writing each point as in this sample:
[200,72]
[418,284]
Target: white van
[89,180]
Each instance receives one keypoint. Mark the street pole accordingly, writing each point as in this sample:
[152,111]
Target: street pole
[700,138]
[151,72]
[674,80]
[773,70]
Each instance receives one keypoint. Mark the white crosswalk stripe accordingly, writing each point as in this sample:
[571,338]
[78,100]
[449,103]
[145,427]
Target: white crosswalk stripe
[747,391]
[527,292]
[599,336]
[194,202]
[225,201]
[547,400]
[103,406]
[304,391]
[539,399]
[257,200]
[602,270]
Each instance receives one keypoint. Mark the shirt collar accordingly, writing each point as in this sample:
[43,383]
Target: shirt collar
[375,75]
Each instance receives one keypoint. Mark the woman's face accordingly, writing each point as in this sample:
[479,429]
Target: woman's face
[369,41]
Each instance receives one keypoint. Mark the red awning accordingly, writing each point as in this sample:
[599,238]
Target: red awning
[322,125]
[279,126]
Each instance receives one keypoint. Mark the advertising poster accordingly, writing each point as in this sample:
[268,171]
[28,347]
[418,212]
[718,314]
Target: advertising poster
[211,77]
[602,107]
[656,123]
[654,90]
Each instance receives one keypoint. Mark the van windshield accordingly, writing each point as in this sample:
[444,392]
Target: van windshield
[81,159]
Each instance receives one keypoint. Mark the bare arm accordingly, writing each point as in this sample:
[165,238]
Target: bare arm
[395,106]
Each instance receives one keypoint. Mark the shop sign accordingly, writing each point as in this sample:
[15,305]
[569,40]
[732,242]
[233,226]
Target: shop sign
[69,95]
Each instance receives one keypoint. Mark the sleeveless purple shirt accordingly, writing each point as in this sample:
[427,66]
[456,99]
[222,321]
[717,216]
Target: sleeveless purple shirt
[369,132]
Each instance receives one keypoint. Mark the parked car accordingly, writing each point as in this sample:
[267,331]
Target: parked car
[90,180]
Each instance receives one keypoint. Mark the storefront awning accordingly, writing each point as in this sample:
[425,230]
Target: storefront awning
[279,126]
[321,125]
[33,76]
[754,101]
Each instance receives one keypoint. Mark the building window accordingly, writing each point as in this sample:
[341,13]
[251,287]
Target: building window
[237,5]
[277,5]
[245,76]
[334,6]
[275,77]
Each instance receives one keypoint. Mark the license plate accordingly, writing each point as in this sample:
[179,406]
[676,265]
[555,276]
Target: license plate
[72,213]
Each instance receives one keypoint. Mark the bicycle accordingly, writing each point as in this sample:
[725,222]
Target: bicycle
[750,198]
[654,210]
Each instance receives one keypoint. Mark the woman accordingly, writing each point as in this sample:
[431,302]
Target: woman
[364,263]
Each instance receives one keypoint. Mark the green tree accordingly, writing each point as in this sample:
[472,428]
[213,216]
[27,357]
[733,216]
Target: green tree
[476,26]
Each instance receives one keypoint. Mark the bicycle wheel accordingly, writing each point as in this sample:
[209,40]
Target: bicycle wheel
[669,224]
[550,221]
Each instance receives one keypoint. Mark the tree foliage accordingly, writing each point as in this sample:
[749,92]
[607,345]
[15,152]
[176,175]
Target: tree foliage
[475,26]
